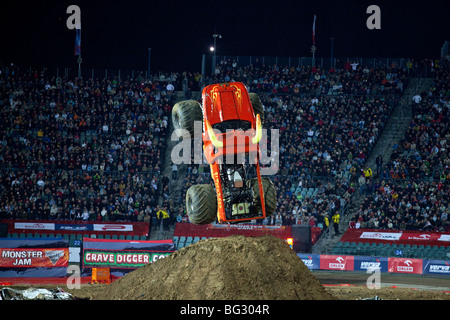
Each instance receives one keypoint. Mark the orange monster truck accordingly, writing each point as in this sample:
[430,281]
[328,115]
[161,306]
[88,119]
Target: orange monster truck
[232,122]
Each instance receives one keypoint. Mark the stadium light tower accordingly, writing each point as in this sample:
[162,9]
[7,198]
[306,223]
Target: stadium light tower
[331,55]
[213,49]
[148,64]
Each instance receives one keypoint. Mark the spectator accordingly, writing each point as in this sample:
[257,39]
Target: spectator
[335,219]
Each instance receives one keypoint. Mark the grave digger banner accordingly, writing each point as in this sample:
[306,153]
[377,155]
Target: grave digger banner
[129,259]
[123,254]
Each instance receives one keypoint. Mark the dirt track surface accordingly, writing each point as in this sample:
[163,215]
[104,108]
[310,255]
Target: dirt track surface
[353,286]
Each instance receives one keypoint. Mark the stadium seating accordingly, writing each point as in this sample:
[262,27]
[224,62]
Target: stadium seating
[113,155]
[94,139]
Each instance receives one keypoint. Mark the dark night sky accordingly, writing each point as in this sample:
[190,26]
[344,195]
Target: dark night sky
[116,34]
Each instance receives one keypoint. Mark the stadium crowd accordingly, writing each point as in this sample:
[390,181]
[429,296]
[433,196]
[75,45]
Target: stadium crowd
[91,149]
[420,206]
[87,149]
[329,122]
[313,81]
[413,192]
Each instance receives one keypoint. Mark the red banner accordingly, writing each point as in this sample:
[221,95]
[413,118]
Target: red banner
[405,265]
[74,226]
[397,236]
[335,262]
[33,258]
[225,230]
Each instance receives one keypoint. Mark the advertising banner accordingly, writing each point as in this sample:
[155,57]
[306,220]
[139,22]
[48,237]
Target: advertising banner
[225,230]
[75,226]
[336,262]
[405,265]
[362,263]
[122,260]
[436,267]
[312,261]
[390,236]
[33,258]
[113,227]
[395,236]
[123,254]
[34,226]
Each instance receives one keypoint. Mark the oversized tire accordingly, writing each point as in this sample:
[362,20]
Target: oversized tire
[185,113]
[270,194]
[201,204]
[257,105]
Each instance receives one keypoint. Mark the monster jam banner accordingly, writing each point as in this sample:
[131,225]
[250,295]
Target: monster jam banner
[122,256]
[23,257]
[33,258]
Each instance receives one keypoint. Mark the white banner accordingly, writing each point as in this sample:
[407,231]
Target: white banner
[34,226]
[113,227]
[381,235]
[444,237]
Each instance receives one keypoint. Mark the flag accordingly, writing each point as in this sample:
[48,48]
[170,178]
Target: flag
[77,50]
[314,31]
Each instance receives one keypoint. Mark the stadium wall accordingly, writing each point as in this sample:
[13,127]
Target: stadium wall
[49,258]
[383,264]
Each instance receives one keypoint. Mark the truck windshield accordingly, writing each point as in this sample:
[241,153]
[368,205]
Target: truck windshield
[232,125]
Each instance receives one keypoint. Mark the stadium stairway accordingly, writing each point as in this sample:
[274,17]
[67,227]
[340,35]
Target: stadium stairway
[393,132]
[175,185]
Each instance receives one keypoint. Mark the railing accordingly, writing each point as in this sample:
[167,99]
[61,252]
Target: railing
[322,62]
[102,73]
[321,245]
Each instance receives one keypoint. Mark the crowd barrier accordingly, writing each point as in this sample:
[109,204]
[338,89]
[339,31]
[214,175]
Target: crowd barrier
[51,257]
[382,264]
[251,230]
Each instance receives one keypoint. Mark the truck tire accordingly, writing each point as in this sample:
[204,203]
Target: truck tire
[257,105]
[201,204]
[270,194]
[185,113]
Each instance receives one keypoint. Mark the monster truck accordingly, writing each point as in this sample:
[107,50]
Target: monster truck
[232,121]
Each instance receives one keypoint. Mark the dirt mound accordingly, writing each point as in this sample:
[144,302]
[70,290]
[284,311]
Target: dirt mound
[231,268]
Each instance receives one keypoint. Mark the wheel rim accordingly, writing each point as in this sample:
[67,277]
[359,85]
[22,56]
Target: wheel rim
[176,120]
[190,205]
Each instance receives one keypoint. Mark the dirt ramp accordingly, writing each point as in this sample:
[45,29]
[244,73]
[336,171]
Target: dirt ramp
[235,267]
